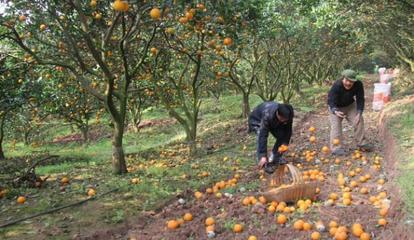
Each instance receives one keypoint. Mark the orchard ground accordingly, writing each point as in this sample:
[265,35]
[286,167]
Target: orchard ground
[163,172]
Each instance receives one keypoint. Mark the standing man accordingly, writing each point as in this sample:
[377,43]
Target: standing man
[346,100]
[274,118]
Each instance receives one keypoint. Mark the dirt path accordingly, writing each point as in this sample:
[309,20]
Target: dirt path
[258,221]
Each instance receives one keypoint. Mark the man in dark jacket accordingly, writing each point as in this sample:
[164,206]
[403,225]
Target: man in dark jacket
[346,100]
[274,118]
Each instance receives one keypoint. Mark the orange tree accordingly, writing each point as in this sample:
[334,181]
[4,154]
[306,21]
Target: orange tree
[184,57]
[242,59]
[14,91]
[102,45]
[66,99]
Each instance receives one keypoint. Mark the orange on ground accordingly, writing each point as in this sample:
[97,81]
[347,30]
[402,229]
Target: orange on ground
[382,222]
[238,228]
[188,217]
[21,199]
[315,236]
[364,236]
[281,219]
[307,226]
[172,224]
[298,225]
[210,221]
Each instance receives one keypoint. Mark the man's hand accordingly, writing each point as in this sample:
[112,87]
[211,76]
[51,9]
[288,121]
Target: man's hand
[339,114]
[357,118]
[262,162]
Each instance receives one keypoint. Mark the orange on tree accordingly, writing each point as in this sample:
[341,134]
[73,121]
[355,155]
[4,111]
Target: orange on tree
[227,41]
[22,18]
[155,13]
[91,192]
[120,6]
[183,20]
[42,27]
[93,3]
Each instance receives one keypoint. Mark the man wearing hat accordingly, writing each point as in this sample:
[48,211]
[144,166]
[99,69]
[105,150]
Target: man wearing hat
[346,100]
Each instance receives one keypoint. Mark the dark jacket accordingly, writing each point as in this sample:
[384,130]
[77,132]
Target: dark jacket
[263,120]
[339,97]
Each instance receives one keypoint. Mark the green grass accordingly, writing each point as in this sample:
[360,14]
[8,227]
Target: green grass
[402,125]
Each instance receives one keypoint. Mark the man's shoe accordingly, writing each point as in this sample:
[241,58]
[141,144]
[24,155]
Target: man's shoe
[270,167]
[338,152]
[366,147]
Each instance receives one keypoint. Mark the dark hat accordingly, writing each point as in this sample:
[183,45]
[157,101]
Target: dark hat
[349,74]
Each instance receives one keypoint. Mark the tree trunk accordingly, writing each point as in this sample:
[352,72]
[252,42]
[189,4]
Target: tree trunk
[245,105]
[2,121]
[26,138]
[192,135]
[85,132]
[118,157]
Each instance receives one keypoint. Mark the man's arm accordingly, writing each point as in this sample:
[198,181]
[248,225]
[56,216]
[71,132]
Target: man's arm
[360,97]
[262,138]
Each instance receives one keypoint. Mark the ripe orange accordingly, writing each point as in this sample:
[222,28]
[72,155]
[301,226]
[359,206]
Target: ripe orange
[42,27]
[189,15]
[198,195]
[183,20]
[340,235]
[246,201]
[120,6]
[333,231]
[209,190]
[363,190]
[262,199]
[155,13]
[91,192]
[172,224]
[346,201]
[315,236]
[21,199]
[312,139]
[336,142]
[312,129]
[383,212]
[93,3]
[210,228]
[22,18]
[210,221]
[333,224]
[188,217]
[238,228]
[325,149]
[307,226]
[357,229]
[298,225]
[381,181]
[227,41]
[281,219]
[364,236]
[382,222]
[333,196]
[347,195]
[64,180]
[252,237]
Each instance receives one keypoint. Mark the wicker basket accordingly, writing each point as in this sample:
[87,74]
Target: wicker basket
[292,192]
